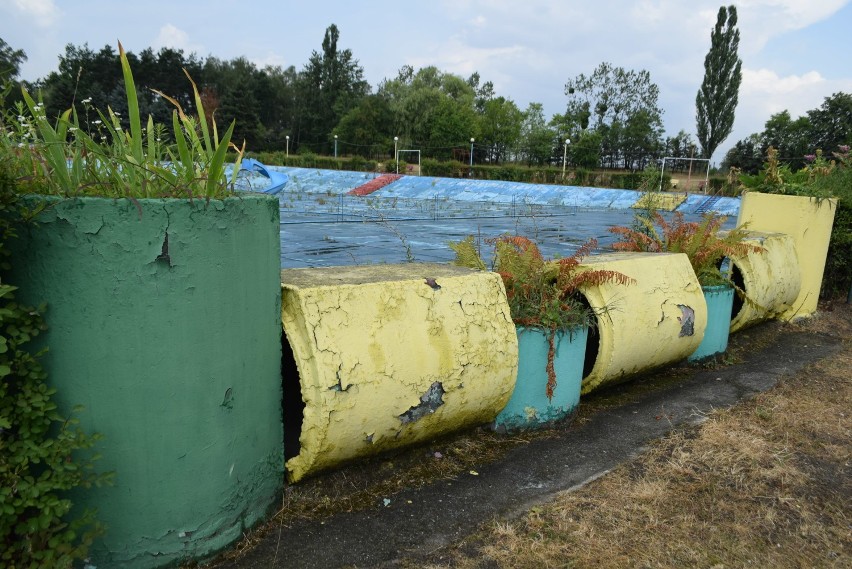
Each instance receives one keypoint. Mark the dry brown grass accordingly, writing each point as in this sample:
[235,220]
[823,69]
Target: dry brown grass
[765,484]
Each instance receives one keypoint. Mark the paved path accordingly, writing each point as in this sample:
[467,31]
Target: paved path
[446,511]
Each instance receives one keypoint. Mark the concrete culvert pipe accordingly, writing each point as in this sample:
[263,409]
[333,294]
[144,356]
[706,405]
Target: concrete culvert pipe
[769,279]
[808,222]
[389,355]
[657,320]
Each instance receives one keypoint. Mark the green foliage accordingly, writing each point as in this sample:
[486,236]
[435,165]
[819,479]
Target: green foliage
[825,128]
[10,64]
[821,178]
[622,107]
[702,242]
[717,98]
[132,162]
[42,453]
[541,294]
[331,85]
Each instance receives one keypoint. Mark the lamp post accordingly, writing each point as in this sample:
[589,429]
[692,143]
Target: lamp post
[395,153]
[335,146]
[288,145]
[565,157]
[470,174]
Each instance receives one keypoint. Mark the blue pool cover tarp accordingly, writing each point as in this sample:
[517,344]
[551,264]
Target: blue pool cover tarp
[335,182]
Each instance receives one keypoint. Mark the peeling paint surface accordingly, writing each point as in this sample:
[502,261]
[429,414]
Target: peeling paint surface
[174,352]
[771,279]
[808,222]
[720,302]
[642,325]
[687,320]
[412,361]
[529,406]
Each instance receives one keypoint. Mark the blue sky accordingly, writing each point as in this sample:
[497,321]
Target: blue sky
[795,52]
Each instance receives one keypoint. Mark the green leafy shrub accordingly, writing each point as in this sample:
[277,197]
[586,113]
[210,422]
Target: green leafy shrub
[821,178]
[41,452]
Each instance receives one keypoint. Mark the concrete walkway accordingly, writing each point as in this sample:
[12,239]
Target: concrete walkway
[447,511]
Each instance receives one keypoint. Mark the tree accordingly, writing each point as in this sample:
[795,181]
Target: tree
[368,127]
[500,125]
[332,84]
[789,137]
[716,102]
[831,123]
[745,155]
[537,137]
[431,110]
[10,66]
[619,105]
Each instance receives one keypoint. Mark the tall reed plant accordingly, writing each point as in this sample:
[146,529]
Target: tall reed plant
[62,158]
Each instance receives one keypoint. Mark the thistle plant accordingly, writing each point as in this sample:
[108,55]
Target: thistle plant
[541,294]
[64,159]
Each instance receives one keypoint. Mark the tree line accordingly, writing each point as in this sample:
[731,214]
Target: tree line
[825,128]
[612,116]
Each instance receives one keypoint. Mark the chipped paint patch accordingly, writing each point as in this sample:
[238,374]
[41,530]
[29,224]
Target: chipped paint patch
[687,320]
[429,403]
[386,359]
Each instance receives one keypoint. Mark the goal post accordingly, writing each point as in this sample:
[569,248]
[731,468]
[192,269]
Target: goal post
[411,151]
[672,159]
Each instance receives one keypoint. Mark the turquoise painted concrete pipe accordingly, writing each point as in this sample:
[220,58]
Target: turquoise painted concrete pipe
[529,406]
[720,302]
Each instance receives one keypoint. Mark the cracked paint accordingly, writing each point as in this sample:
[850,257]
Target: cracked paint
[771,279]
[214,444]
[642,325]
[418,366]
[808,222]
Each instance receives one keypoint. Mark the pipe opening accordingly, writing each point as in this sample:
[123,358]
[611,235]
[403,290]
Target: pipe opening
[292,405]
[593,340]
[740,289]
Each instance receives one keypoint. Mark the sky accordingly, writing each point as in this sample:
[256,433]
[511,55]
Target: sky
[795,53]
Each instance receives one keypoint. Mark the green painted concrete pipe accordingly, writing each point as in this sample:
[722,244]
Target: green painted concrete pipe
[163,318]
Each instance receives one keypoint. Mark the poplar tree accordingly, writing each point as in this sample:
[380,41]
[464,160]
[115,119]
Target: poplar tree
[717,97]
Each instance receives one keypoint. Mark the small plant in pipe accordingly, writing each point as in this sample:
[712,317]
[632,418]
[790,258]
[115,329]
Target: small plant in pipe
[63,158]
[702,242]
[541,294]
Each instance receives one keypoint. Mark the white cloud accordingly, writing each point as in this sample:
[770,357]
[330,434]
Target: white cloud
[271,59]
[43,12]
[761,20]
[174,37]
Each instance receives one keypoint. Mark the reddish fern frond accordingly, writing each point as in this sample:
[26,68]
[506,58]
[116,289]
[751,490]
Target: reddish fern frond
[700,241]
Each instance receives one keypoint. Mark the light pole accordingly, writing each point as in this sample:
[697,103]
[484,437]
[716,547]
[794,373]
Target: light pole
[470,174]
[335,146]
[565,157]
[395,153]
[288,145]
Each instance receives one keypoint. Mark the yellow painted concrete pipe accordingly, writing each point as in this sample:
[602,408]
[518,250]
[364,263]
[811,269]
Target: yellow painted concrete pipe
[770,279]
[389,355]
[808,221]
[657,320]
